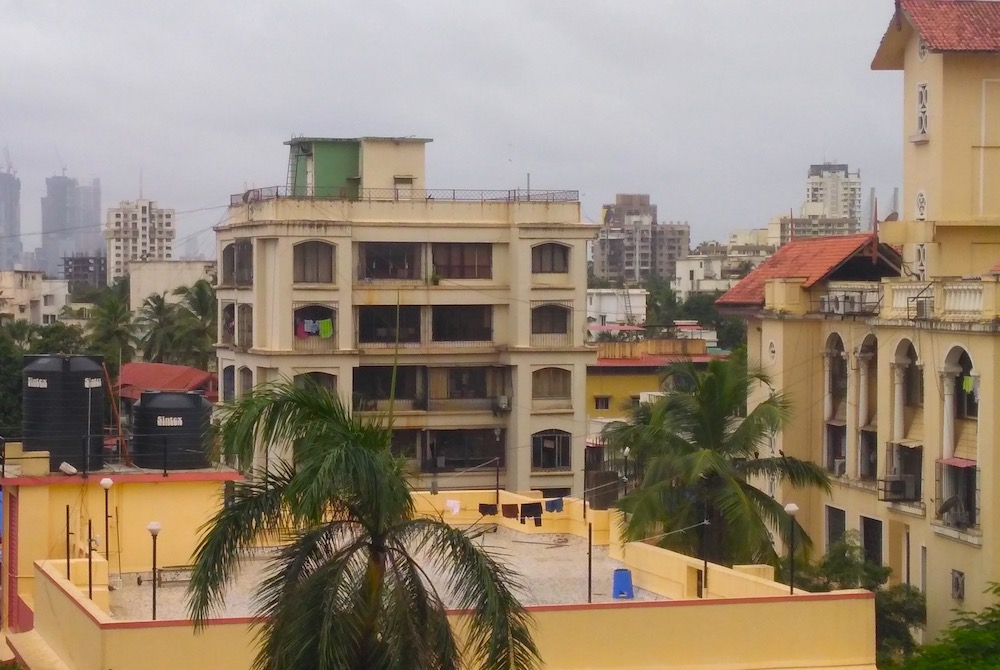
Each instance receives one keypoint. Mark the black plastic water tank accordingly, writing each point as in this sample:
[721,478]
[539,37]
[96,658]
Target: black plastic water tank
[63,409]
[171,429]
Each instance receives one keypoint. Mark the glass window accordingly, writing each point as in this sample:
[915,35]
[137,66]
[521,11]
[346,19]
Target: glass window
[313,262]
[550,258]
[551,450]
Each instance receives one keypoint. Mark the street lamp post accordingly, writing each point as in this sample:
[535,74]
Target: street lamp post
[496,433]
[625,452]
[154,529]
[791,509]
[106,484]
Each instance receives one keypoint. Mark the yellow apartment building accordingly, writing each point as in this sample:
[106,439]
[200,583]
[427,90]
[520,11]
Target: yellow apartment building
[479,296]
[887,343]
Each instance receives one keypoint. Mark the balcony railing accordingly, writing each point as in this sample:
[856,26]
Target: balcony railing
[316,345]
[963,298]
[403,194]
[551,339]
[460,404]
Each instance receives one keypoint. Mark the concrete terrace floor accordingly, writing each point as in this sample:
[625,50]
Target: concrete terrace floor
[553,571]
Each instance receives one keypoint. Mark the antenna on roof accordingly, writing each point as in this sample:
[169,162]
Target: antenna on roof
[875,232]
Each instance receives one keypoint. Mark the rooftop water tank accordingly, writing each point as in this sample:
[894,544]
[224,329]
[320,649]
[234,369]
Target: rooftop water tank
[171,430]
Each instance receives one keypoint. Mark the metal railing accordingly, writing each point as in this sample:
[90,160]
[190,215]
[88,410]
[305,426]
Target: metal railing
[402,194]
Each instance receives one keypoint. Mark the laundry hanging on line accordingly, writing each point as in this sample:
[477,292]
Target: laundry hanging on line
[554,505]
[487,509]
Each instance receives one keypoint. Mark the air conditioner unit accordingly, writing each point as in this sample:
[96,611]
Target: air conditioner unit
[824,304]
[925,309]
[957,585]
[503,402]
[850,304]
[836,305]
[900,488]
[840,466]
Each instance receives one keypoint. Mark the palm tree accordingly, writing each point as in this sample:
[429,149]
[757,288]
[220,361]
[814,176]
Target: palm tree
[197,322]
[700,451]
[158,323]
[346,589]
[112,330]
[22,332]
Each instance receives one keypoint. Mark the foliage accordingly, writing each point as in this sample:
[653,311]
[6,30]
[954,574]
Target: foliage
[112,331]
[971,642]
[663,308]
[197,323]
[698,449]
[346,590]
[898,608]
[158,323]
[59,338]
[10,385]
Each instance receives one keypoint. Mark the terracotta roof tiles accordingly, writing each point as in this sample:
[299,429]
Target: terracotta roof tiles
[135,378]
[810,259]
[956,25]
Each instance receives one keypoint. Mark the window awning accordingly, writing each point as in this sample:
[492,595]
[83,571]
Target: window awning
[957,462]
[910,444]
[836,422]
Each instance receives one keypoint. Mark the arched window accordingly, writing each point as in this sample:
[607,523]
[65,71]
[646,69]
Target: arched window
[228,383]
[551,450]
[227,324]
[313,263]
[229,265]
[550,258]
[548,319]
[966,393]
[245,380]
[322,379]
[244,326]
[913,379]
[551,383]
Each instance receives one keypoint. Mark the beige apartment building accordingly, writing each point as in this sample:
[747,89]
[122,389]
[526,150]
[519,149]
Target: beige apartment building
[137,230]
[887,342]
[480,296]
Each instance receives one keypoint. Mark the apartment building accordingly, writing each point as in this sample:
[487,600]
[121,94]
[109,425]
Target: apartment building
[632,245]
[137,230]
[887,342]
[10,218]
[616,306]
[835,189]
[29,296]
[479,297]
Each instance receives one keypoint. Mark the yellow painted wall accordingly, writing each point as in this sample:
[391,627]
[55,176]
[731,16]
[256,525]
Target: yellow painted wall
[620,384]
[632,635]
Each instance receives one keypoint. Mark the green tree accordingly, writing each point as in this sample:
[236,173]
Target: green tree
[699,450]
[59,338]
[898,608]
[157,322]
[662,305]
[197,323]
[11,362]
[22,332]
[701,307]
[112,331]
[347,590]
[971,642]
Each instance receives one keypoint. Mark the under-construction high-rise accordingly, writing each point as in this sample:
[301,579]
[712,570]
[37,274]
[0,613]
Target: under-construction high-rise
[632,245]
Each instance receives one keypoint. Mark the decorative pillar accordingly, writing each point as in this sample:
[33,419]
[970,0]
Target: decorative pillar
[898,398]
[827,385]
[863,414]
[948,412]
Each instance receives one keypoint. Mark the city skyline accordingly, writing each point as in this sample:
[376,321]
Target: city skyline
[704,99]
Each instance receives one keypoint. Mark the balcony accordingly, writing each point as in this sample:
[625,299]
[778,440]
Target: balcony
[377,327]
[315,328]
[462,326]
[404,194]
[851,298]
[963,299]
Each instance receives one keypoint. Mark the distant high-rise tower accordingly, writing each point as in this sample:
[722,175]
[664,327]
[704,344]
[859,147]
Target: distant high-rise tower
[71,221]
[137,230]
[10,220]
[633,246]
[833,192]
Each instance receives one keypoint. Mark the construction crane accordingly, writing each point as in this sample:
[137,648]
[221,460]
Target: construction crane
[7,162]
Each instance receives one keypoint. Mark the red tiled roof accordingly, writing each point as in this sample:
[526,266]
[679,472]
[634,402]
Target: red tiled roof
[138,377]
[956,25]
[810,259]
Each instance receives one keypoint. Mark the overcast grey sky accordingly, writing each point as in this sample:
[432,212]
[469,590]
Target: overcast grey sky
[714,108]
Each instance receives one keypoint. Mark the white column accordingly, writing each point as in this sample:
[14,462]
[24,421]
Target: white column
[863,414]
[827,383]
[948,413]
[898,398]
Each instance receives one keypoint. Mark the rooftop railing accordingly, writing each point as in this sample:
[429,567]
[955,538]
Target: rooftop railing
[402,194]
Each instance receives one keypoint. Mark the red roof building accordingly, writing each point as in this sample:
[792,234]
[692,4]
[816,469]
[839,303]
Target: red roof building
[138,377]
[812,260]
[944,25]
